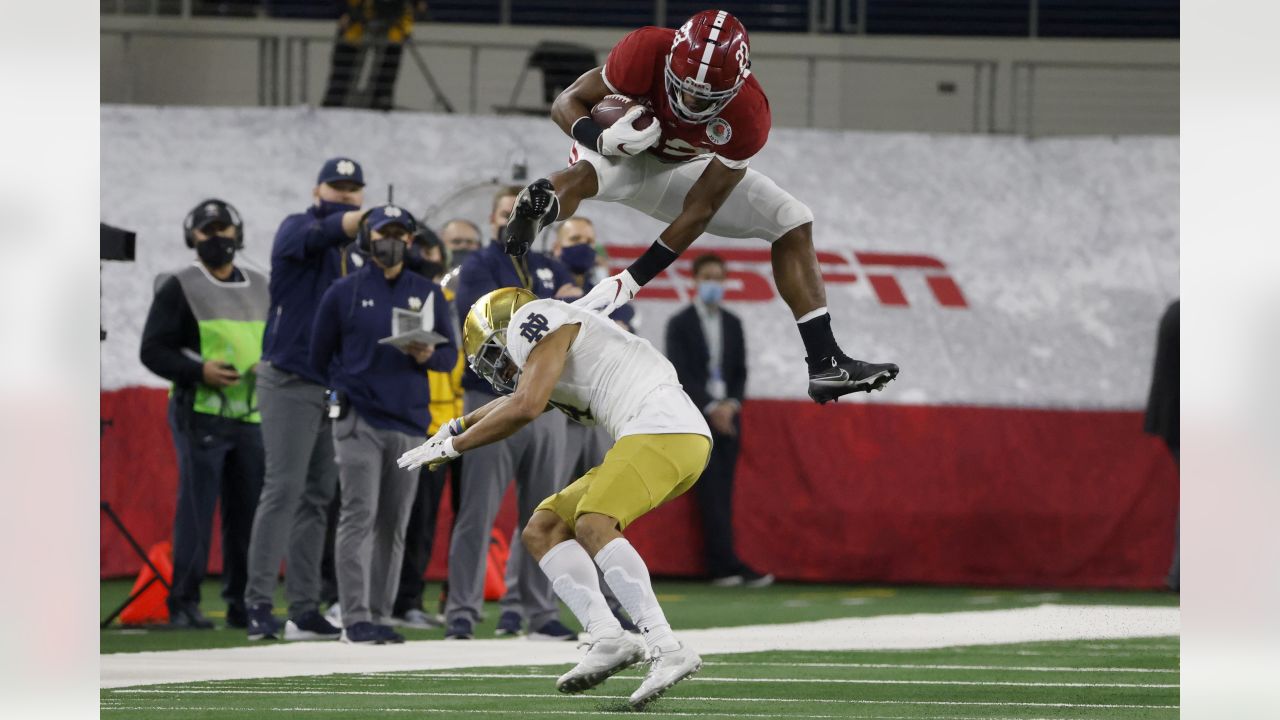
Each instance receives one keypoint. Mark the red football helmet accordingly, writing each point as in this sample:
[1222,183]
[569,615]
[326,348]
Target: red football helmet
[709,60]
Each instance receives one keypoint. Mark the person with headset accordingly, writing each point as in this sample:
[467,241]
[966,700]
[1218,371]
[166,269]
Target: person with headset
[204,334]
[301,478]
[381,398]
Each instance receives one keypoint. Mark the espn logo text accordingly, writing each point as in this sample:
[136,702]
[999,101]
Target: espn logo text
[750,274]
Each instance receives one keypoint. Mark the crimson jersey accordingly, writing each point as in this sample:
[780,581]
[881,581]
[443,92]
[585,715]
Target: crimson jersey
[636,67]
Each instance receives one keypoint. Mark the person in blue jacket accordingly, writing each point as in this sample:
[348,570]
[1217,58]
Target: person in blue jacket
[301,478]
[382,395]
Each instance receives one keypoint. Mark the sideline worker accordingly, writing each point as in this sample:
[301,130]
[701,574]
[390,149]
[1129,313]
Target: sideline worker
[204,334]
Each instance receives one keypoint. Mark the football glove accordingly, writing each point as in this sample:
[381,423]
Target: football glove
[431,453]
[609,294]
[621,138]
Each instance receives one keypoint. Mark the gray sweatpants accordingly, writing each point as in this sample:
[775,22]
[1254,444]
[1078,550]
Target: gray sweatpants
[377,497]
[298,486]
[585,448]
[534,457]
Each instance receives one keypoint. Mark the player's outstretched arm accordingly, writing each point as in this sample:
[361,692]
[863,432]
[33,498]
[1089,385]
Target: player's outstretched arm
[538,378]
[504,416]
[701,203]
[576,101]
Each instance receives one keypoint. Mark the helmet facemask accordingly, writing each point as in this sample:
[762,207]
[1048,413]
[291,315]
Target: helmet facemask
[714,101]
[493,363]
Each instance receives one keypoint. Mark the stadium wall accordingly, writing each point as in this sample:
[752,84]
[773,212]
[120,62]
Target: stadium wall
[923,84]
[1017,282]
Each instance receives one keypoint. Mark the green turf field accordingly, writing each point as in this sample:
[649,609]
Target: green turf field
[1082,679]
[688,605]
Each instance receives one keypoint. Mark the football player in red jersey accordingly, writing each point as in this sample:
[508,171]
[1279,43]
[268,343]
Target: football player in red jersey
[690,168]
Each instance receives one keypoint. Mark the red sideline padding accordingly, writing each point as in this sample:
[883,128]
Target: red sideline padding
[852,492]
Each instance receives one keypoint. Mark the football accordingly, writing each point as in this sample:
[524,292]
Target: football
[607,111]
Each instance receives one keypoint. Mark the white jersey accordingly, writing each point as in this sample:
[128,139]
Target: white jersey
[611,378]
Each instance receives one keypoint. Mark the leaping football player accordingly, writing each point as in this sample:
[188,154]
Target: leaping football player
[690,168]
[544,354]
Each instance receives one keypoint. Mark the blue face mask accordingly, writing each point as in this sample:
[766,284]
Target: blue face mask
[711,292]
[327,208]
[579,258]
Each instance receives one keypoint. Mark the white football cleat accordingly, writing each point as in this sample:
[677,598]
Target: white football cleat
[605,657]
[666,669]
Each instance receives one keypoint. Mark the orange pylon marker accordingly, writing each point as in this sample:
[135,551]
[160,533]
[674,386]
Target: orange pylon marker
[150,607]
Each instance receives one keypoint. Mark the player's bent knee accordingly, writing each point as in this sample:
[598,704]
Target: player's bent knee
[595,530]
[544,531]
[799,233]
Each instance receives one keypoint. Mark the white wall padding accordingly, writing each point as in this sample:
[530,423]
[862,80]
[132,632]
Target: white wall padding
[1065,251]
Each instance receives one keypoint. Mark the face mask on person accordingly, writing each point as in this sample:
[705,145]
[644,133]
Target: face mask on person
[216,251]
[457,256]
[579,258]
[711,292]
[389,251]
[326,208]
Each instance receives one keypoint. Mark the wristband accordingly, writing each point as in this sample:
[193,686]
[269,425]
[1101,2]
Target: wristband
[587,131]
[654,260]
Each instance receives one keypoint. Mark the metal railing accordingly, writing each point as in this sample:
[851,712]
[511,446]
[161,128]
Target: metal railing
[284,64]
[819,16]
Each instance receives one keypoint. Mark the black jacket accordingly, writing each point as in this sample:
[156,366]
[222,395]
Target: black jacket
[687,350]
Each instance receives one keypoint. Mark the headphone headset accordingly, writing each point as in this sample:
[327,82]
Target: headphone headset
[188,224]
[363,239]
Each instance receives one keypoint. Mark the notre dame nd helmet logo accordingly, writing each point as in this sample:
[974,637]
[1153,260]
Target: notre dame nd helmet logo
[535,327]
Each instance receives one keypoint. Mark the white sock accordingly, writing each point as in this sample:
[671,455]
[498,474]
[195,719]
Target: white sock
[573,577]
[628,577]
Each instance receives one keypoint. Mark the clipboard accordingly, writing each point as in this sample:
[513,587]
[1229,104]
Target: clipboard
[412,326]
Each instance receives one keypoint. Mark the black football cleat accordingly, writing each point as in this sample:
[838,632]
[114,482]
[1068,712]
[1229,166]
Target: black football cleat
[841,375]
[536,207]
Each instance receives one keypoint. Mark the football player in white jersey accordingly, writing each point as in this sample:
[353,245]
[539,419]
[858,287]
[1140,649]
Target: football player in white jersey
[540,354]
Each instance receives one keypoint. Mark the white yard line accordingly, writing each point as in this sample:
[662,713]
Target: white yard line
[683,698]
[906,666]
[109,705]
[883,632]
[702,678]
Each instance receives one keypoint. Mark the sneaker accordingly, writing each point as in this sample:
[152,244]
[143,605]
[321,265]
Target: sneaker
[666,669]
[840,375]
[536,206]
[188,618]
[237,617]
[334,615]
[605,658]
[418,619]
[615,607]
[311,625]
[509,624]
[362,633]
[727,581]
[388,635]
[553,630]
[459,629]
[262,624]
[753,579]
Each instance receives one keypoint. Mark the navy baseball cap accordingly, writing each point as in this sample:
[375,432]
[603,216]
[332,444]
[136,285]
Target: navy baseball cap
[340,168]
[384,215]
